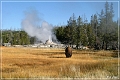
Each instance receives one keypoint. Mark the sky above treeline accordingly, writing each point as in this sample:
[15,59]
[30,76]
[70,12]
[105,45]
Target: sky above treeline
[53,12]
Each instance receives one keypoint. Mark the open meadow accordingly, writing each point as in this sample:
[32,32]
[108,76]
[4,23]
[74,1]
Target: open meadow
[26,62]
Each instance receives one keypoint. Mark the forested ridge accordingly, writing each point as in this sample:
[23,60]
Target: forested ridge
[100,33]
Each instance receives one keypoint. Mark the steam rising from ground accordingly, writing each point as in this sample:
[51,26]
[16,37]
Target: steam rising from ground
[35,27]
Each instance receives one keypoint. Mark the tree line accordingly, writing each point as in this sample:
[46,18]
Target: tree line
[100,33]
[17,37]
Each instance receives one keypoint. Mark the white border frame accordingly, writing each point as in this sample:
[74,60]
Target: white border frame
[63,78]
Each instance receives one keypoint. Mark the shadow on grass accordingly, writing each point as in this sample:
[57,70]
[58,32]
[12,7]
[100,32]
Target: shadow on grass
[47,53]
[57,57]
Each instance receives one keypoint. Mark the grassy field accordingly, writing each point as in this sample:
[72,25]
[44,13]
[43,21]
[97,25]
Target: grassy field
[23,62]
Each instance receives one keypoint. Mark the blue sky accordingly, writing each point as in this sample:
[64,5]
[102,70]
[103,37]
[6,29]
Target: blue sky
[53,12]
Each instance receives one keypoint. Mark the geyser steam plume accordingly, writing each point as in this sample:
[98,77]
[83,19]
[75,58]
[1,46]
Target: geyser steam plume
[31,25]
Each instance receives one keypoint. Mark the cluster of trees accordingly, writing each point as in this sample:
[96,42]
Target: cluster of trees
[15,37]
[101,32]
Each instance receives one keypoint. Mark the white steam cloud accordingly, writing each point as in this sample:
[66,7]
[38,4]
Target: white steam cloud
[35,27]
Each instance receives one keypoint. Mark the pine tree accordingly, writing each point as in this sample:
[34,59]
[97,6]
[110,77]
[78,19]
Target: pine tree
[72,25]
[91,36]
[106,25]
[78,31]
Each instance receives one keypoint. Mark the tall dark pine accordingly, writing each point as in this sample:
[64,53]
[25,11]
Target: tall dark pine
[106,18]
[78,31]
[72,26]
[106,25]
[109,22]
[94,25]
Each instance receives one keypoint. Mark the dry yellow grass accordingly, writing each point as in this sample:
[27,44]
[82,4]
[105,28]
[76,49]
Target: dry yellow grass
[26,62]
